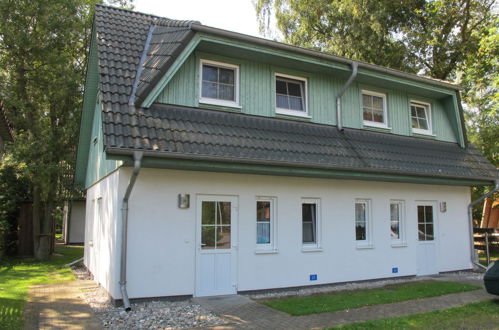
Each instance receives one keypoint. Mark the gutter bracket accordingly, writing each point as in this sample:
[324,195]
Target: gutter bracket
[339,123]
[137,157]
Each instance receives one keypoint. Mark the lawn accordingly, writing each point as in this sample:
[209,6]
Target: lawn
[342,300]
[483,260]
[482,315]
[17,275]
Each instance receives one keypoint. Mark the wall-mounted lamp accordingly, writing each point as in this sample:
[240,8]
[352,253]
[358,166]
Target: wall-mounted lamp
[443,207]
[183,201]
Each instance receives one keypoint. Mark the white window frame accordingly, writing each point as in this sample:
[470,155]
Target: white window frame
[264,248]
[368,242]
[224,103]
[317,245]
[428,112]
[384,124]
[288,112]
[399,242]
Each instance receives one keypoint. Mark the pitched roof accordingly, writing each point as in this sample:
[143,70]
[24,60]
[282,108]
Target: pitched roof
[180,132]
[134,50]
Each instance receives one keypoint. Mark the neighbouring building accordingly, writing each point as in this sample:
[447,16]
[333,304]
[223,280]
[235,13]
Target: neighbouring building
[223,163]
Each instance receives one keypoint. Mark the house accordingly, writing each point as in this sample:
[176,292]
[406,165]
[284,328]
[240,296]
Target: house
[216,162]
[5,132]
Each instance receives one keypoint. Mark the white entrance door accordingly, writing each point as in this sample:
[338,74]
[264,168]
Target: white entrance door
[427,244]
[216,245]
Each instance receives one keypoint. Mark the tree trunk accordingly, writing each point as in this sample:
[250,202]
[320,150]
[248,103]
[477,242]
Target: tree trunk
[41,236]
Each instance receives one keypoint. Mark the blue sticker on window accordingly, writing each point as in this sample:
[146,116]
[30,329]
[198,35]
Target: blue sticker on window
[395,270]
[313,277]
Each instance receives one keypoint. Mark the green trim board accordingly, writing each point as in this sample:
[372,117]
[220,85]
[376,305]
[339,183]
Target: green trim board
[87,112]
[210,166]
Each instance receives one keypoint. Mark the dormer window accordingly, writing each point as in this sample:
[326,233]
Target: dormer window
[421,117]
[219,83]
[291,95]
[374,109]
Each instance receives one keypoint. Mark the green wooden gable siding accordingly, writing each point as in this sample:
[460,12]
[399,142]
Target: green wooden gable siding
[98,165]
[257,90]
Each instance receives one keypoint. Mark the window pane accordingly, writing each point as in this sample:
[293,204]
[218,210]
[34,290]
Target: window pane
[378,116]
[395,233]
[295,103]
[368,114]
[360,232]
[360,212]
[282,102]
[294,89]
[209,90]
[226,76]
[208,237]
[413,111]
[226,92]
[223,213]
[420,214]
[262,211]
[421,232]
[309,223]
[429,213]
[280,87]
[223,237]
[429,232]
[423,124]
[208,213]
[377,102]
[263,232]
[415,123]
[210,73]
[367,101]
[308,233]
[421,112]
[395,220]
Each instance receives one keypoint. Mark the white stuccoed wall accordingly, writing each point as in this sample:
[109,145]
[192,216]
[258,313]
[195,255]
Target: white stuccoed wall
[162,237]
[102,232]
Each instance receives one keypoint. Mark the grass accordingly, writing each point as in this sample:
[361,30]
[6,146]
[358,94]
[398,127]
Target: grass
[482,315]
[17,275]
[342,300]
[493,256]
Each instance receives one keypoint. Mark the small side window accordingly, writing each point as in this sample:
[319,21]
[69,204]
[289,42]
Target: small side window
[311,224]
[291,95]
[219,83]
[374,108]
[266,224]
[363,223]
[397,223]
[421,117]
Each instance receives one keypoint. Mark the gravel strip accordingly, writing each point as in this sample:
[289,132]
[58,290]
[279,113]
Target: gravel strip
[147,314]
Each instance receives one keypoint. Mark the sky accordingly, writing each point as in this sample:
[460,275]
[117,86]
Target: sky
[232,15]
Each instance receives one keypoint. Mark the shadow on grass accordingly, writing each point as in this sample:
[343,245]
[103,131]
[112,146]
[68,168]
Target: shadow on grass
[11,311]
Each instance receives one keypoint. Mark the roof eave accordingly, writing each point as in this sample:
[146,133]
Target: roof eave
[466,181]
[329,57]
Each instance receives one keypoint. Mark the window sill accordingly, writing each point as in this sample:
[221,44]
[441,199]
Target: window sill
[294,113]
[311,249]
[370,124]
[266,251]
[399,245]
[422,133]
[365,246]
[221,103]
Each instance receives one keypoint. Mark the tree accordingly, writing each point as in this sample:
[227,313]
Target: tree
[430,37]
[43,44]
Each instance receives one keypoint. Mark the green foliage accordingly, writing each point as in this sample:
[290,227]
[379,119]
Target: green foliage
[13,189]
[17,275]
[354,299]
[481,315]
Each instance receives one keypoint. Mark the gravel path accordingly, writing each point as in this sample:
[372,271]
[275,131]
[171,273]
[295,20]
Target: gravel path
[148,314]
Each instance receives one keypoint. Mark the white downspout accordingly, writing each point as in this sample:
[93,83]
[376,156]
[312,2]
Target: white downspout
[474,261]
[137,157]
[339,123]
